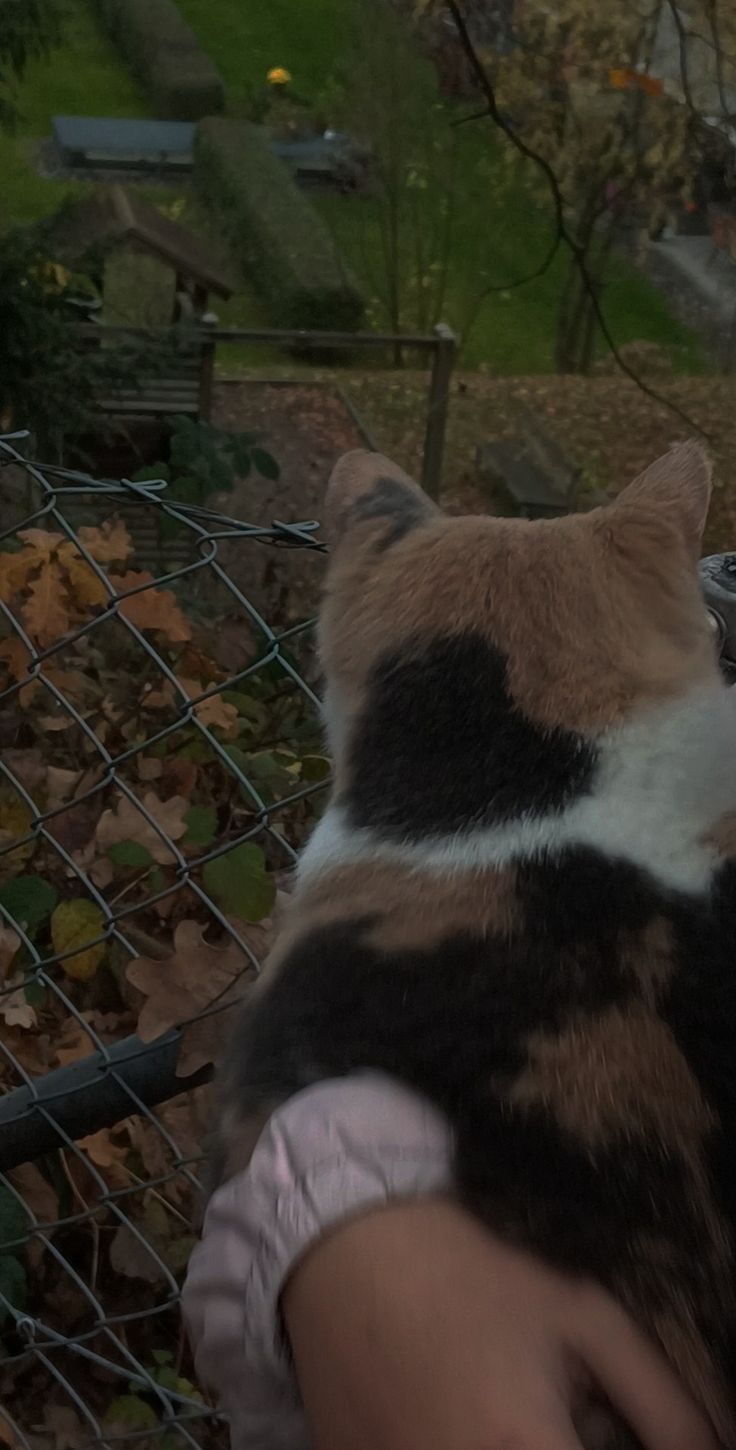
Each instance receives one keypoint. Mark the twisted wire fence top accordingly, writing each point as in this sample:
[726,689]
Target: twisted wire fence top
[160,765]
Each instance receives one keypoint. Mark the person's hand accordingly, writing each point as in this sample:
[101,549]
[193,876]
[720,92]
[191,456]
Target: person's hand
[413,1328]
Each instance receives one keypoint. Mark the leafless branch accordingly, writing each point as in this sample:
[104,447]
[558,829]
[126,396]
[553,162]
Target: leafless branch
[562,232]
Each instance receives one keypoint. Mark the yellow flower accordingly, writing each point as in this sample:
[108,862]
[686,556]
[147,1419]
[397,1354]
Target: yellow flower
[278,76]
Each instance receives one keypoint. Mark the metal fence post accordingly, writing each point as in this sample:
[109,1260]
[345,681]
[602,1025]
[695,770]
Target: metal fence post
[443,363]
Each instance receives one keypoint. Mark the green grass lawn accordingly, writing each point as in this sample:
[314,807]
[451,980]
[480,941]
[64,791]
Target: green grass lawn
[247,37]
[84,76]
[500,233]
[511,332]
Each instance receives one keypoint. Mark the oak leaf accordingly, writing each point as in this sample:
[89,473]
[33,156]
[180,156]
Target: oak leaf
[9,943]
[107,1155]
[74,1042]
[212,711]
[46,610]
[16,657]
[87,588]
[184,985]
[109,543]
[43,542]
[127,823]
[60,784]
[151,608]
[40,1198]
[16,1011]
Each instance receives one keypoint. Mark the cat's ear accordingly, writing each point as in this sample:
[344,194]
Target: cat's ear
[372,497]
[675,491]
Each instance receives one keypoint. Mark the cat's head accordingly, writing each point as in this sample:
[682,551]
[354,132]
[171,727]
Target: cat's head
[583,621]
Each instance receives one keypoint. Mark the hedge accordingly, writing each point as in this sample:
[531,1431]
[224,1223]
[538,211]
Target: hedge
[181,79]
[273,229]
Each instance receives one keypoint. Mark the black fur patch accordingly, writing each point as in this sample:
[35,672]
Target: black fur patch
[441,747]
[402,509]
[700,1008]
[453,1022]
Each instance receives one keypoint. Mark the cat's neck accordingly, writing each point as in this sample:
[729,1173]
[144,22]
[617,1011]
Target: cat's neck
[662,783]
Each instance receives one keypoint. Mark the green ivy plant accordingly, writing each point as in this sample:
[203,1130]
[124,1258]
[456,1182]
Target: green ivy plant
[204,460]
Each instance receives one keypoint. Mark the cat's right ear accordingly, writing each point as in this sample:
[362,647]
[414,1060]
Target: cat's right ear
[370,497]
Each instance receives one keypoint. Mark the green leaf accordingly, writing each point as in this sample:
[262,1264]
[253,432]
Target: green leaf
[152,470]
[129,853]
[222,475]
[29,900]
[132,1412]
[12,1284]
[266,463]
[77,923]
[35,993]
[201,825]
[240,883]
[315,767]
[13,1218]
[245,705]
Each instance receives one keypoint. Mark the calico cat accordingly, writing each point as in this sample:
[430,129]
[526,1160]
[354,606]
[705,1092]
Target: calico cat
[521,899]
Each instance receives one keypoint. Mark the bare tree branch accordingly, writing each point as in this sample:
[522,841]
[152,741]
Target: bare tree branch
[563,234]
[682,39]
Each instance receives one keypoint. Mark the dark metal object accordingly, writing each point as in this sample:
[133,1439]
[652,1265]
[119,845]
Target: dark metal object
[97,1092]
[718,582]
[105,141]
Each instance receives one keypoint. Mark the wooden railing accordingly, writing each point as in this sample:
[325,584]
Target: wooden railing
[440,345]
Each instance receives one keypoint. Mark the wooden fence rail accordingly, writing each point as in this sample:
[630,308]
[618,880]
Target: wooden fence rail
[440,344]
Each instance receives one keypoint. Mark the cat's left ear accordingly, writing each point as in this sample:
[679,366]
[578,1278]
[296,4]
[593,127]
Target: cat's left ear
[675,490]
[372,496]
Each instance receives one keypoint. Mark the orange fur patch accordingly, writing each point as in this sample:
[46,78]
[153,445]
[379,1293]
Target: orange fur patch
[596,614]
[621,1072]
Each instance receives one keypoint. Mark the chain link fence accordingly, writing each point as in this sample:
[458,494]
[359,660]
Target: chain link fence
[160,766]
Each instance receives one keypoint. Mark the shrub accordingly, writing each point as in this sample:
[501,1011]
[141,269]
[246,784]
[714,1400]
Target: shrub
[165,54]
[274,231]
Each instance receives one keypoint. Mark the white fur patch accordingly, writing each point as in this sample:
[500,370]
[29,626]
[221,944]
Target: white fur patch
[662,782]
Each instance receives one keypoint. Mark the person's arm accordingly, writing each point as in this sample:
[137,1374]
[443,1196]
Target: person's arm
[412,1328]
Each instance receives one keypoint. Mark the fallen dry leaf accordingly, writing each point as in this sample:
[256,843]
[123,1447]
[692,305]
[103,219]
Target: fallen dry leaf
[37,1193]
[108,544]
[148,767]
[184,985]
[27,766]
[44,542]
[180,775]
[46,610]
[127,823]
[86,586]
[157,1250]
[234,643]
[187,1119]
[60,784]
[62,1428]
[212,711]
[15,656]
[16,1011]
[107,1155]
[15,569]
[9,943]
[159,699]
[151,608]
[73,1042]
[132,1259]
